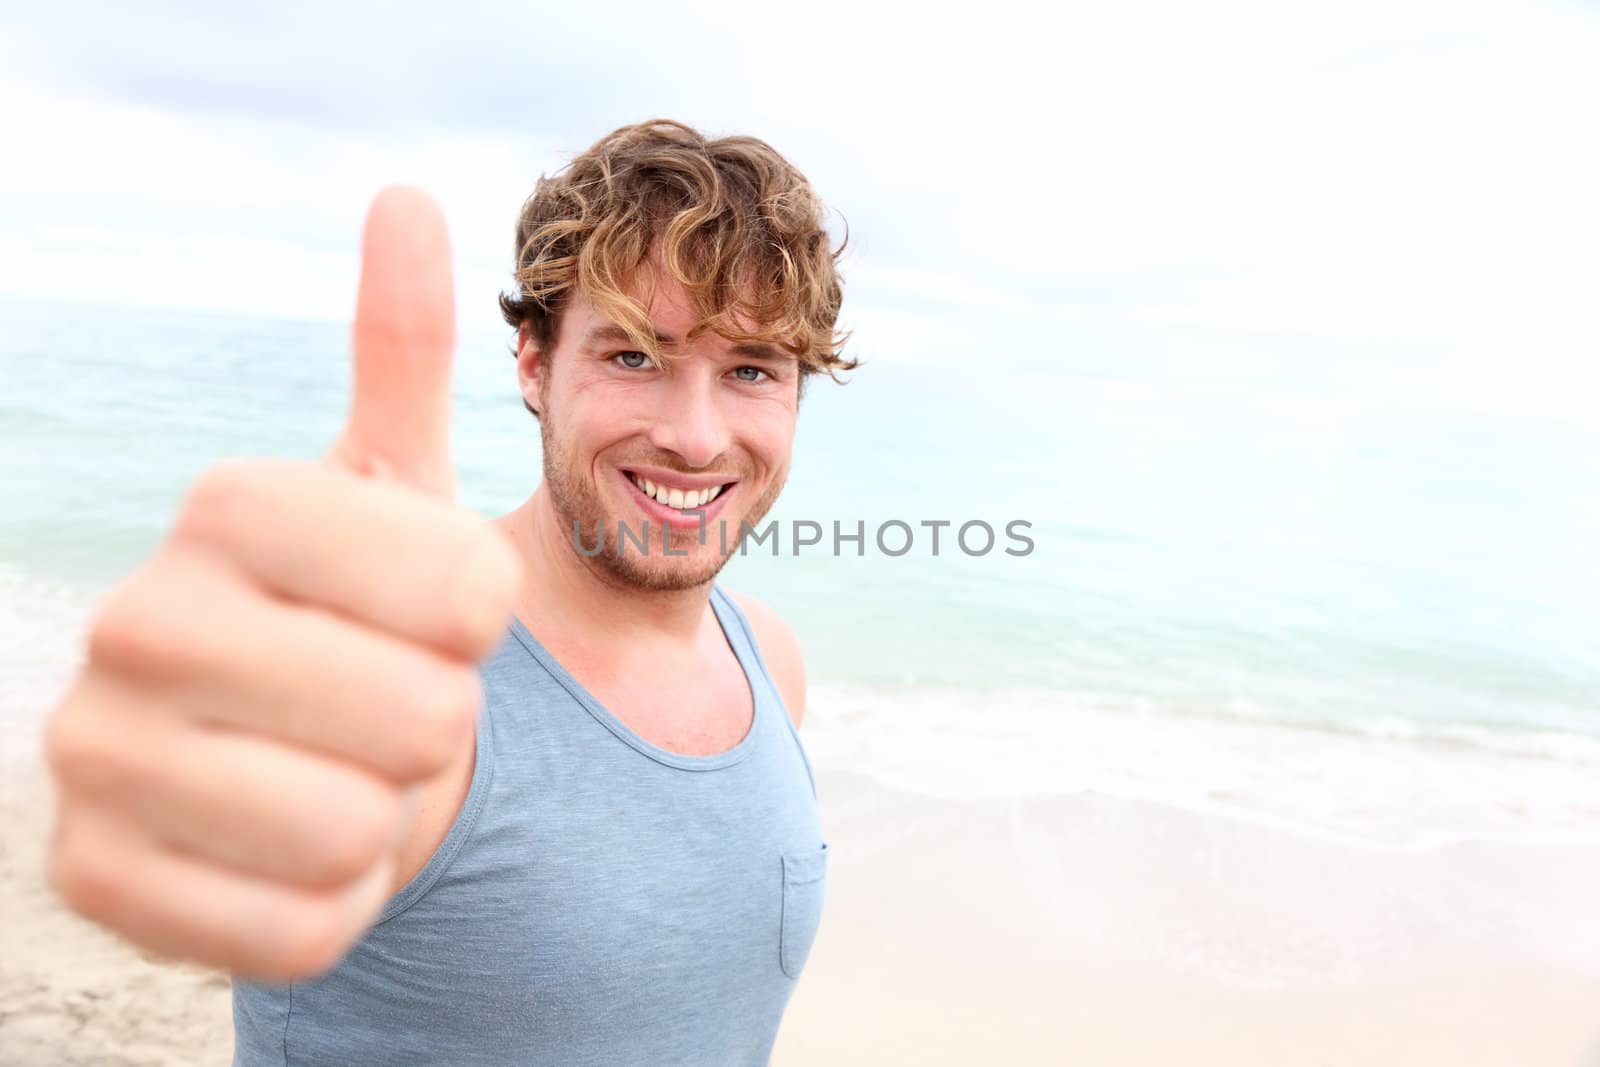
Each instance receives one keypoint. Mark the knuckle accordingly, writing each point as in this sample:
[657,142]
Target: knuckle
[79,874]
[485,588]
[212,497]
[85,751]
[122,632]
[312,939]
[63,740]
[146,624]
[72,751]
[217,501]
[359,835]
[443,716]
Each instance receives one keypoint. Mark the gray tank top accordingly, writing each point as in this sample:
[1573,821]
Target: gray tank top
[598,901]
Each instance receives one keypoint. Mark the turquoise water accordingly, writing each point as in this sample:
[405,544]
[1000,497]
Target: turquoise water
[1315,544]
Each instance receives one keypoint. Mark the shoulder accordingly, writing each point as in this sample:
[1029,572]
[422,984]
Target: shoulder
[780,648]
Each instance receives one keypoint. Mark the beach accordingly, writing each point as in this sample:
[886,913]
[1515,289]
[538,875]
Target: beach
[1078,931]
[1194,572]
[72,994]
[1086,930]
[1069,929]
[1281,748]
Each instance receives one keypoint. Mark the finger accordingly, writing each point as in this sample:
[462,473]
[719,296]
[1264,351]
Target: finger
[241,801]
[399,424]
[297,674]
[419,569]
[181,907]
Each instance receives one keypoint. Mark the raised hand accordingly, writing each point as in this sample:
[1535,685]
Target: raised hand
[233,759]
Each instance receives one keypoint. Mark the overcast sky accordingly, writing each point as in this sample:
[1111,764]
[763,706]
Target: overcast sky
[1406,180]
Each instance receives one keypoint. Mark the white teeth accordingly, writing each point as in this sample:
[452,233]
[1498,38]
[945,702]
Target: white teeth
[677,498]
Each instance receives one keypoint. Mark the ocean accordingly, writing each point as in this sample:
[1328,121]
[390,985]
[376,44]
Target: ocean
[1337,592]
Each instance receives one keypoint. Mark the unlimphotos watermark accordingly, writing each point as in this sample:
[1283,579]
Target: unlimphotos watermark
[892,537]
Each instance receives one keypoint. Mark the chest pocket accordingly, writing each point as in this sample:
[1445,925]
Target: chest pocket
[805,878]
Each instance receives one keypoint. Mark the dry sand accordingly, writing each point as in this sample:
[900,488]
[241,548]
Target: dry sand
[70,994]
[1063,931]
[1083,930]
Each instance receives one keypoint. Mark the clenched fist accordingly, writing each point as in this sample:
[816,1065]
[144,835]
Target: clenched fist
[233,760]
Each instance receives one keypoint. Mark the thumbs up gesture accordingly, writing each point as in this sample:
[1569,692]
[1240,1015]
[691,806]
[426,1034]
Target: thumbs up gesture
[233,759]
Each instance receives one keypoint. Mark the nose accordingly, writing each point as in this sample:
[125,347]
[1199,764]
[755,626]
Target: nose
[691,424]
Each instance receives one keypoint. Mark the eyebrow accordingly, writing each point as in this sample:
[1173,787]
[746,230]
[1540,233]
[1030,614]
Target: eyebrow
[603,334]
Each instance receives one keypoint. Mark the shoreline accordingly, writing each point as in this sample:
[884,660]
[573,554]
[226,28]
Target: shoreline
[1078,927]
[1398,787]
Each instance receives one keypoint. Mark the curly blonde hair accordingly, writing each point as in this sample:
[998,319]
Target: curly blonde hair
[731,220]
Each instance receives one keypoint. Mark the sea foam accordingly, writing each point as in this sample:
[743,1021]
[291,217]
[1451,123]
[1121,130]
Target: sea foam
[1384,783]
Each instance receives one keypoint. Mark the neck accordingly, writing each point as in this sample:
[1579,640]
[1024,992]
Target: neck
[562,589]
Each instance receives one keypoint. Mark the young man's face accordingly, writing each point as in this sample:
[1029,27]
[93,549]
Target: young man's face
[719,420]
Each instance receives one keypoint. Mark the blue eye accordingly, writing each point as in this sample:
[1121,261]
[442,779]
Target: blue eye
[627,359]
[756,373]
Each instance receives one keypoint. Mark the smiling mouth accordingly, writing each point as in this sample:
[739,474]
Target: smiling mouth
[678,499]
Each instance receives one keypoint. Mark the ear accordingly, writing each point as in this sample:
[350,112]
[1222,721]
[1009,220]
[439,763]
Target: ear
[530,367]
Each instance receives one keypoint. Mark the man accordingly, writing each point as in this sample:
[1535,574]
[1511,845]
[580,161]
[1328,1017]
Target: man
[270,761]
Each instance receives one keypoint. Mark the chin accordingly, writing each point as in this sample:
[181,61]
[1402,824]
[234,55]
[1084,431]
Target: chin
[661,573]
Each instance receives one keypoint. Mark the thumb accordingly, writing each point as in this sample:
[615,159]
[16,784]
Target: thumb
[404,337]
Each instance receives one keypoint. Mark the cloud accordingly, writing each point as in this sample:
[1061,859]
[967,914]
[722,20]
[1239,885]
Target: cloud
[1368,174]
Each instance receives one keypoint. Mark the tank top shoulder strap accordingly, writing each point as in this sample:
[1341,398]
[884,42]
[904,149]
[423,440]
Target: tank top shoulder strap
[742,638]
